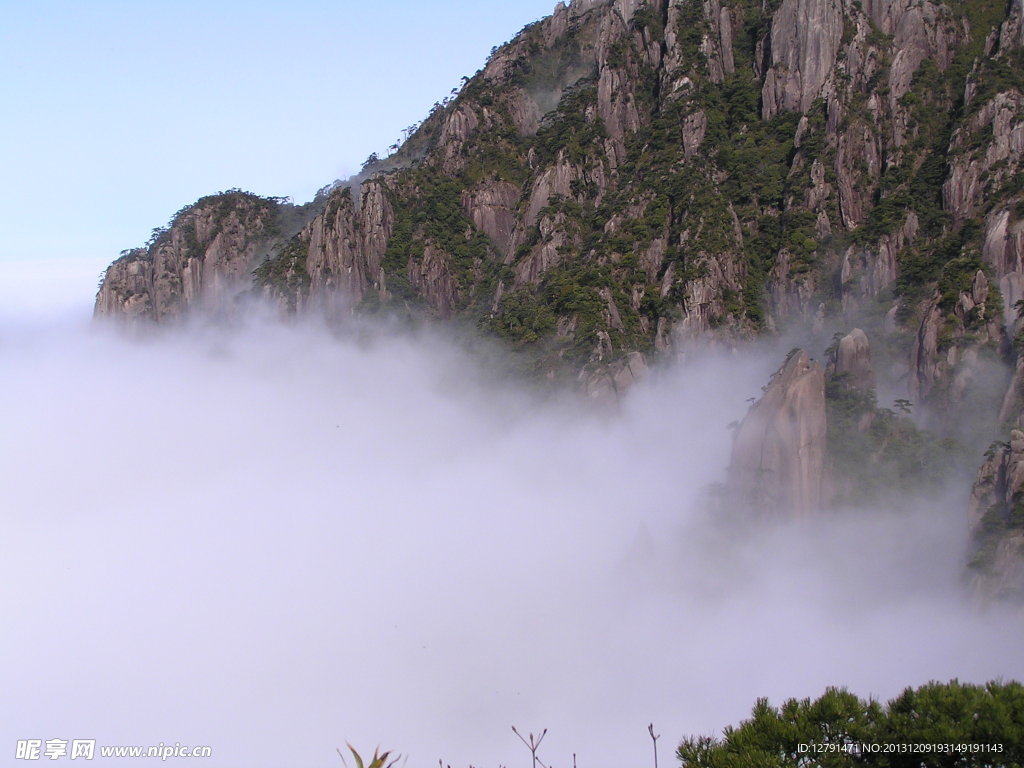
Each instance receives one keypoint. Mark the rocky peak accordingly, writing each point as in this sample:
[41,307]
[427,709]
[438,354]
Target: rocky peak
[203,257]
[989,149]
[853,361]
[996,517]
[1011,33]
[778,456]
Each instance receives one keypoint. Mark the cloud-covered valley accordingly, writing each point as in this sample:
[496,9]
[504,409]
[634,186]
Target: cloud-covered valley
[271,539]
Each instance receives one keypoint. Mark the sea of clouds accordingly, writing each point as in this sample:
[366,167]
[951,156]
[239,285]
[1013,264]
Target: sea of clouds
[272,538]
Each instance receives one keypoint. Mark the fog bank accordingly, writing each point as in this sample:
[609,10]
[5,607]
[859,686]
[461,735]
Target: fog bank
[271,540]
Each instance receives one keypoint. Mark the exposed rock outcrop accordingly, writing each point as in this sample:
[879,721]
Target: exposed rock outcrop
[346,244]
[531,152]
[866,272]
[853,361]
[945,356]
[976,171]
[610,382]
[1003,250]
[431,276]
[491,206]
[204,257]
[996,515]
[1011,33]
[778,457]
[805,40]
[717,45]
[335,262]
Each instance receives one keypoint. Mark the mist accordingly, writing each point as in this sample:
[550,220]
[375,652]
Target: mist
[272,539]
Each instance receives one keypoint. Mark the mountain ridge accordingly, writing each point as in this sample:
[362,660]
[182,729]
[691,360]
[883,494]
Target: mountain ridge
[626,179]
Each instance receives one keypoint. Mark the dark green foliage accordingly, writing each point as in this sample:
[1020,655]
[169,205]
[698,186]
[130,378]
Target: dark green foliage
[545,69]
[887,215]
[936,104]
[926,264]
[925,195]
[742,168]
[257,216]
[648,19]
[569,128]
[652,305]
[690,31]
[995,75]
[133,254]
[738,198]
[286,273]
[220,205]
[571,290]
[800,239]
[989,716]
[957,276]
[982,16]
[398,251]
[916,184]
[875,451]
[522,317]
[755,158]
[757,154]
[499,156]
[998,520]
[429,211]
[991,529]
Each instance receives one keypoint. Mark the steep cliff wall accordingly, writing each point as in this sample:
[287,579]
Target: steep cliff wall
[817,440]
[721,167]
[778,458]
[204,257]
[996,516]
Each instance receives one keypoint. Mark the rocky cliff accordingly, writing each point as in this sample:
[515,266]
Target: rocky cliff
[817,440]
[626,178]
[204,258]
[778,459]
[996,517]
[718,168]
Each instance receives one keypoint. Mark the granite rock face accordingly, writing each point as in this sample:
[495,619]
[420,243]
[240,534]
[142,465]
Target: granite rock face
[805,40]
[546,146]
[778,458]
[853,361]
[996,517]
[205,257]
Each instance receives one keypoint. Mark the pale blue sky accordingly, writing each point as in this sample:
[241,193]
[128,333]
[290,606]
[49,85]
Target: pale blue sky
[118,113]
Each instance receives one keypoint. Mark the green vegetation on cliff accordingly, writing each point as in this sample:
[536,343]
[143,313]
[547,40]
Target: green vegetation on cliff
[286,274]
[604,181]
[877,451]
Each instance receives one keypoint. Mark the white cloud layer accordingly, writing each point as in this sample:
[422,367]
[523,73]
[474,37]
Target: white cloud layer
[271,540]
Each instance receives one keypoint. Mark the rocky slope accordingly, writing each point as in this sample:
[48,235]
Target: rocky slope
[997,519]
[778,460]
[817,440]
[203,258]
[627,178]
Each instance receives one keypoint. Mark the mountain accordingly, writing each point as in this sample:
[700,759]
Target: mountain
[626,179]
